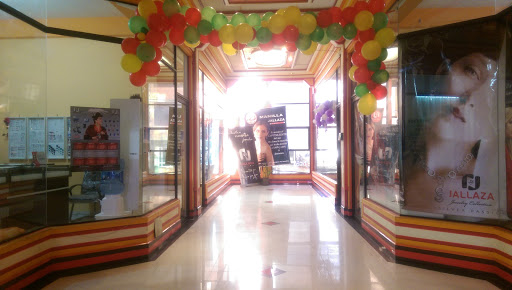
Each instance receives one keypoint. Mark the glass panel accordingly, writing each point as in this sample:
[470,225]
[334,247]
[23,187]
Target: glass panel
[297,115]
[288,92]
[298,139]
[326,137]
[181,69]
[182,158]
[158,163]
[299,163]
[158,115]
[158,139]
[161,93]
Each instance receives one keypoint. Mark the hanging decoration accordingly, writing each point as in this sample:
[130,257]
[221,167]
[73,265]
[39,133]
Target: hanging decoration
[158,22]
[325,114]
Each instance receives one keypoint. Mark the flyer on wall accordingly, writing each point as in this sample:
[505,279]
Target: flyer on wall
[450,115]
[269,128]
[243,143]
[95,139]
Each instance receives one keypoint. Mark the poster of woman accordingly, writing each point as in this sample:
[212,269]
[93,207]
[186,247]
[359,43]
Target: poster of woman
[450,94]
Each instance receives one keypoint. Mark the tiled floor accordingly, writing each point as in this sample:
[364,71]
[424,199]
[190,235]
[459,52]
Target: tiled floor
[245,242]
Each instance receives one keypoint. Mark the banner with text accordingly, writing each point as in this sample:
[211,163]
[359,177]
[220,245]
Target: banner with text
[243,143]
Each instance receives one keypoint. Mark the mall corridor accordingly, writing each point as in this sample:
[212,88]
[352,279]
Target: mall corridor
[273,237]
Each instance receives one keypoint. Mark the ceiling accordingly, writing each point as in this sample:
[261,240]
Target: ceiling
[111,18]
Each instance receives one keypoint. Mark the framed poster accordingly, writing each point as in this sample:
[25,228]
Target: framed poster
[56,137]
[36,135]
[17,138]
[95,139]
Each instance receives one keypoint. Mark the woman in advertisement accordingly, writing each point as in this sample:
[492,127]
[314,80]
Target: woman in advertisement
[96,131]
[261,130]
[508,152]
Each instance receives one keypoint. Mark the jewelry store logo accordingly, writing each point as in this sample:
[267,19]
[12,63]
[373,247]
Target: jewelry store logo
[471,182]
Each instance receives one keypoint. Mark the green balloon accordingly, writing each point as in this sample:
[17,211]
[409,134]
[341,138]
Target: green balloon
[349,31]
[191,35]
[380,20]
[303,42]
[204,27]
[137,23]
[324,40]
[263,35]
[219,20]
[207,13]
[361,90]
[171,7]
[253,19]
[380,76]
[383,54]
[184,9]
[374,65]
[146,52]
[237,18]
[253,43]
[266,16]
[317,35]
[334,31]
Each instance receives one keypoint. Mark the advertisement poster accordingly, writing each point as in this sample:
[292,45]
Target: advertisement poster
[169,157]
[450,102]
[242,139]
[17,138]
[269,129]
[56,137]
[95,139]
[385,155]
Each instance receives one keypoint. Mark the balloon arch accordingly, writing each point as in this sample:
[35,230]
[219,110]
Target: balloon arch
[157,22]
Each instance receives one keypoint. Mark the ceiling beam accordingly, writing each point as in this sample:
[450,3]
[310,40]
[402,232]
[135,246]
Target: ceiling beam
[407,7]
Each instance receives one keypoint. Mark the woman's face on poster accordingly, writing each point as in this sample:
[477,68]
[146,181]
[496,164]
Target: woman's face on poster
[508,128]
[99,121]
[260,132]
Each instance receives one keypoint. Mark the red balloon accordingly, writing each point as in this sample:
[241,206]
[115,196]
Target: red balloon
[278,39]
[349,14]
[360,6]
[291,47]
[362,75]
[376,6]
[324,18]
[156,38]
[358,46]
[193,16]
[291,33]
[371,85]
[267,46]
[158,53]
[380,92]
[358,59]
[382,66]
[129,45]
[137,12]
[138,79]
[176,36]
[204,38]
[366,35]
[336,14]
[178,21]
[157,22]
[254,34]
[238,46]
[159,7]
[151,68]
[214,39]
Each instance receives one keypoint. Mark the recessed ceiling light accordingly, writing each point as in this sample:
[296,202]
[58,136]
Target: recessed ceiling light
[272,58]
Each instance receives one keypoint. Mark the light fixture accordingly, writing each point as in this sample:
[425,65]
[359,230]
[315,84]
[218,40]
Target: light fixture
[273,58]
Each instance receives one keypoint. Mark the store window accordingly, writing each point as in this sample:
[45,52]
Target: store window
[213,129]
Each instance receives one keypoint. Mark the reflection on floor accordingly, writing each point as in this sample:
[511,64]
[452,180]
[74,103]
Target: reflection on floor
[274,237]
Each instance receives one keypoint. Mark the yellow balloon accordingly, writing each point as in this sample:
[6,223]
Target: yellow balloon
[228,49]
[367,104]
[292,15]
[141,36]
[131,63]
[311,49]
[146,8]
[244,33]
[280,11]
[277,23]
[192,45]
[351,72]
[371,50]
[307,24]
[264,23]
[363,20]
[385,37]
[227,34]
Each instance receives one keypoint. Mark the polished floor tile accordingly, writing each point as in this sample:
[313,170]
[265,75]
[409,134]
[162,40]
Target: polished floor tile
[243,241]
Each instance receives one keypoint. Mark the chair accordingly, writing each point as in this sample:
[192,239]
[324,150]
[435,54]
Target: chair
[90,193]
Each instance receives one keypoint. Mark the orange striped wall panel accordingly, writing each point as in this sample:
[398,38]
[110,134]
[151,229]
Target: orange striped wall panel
[469,249]
[215,186]
[324,184]
[29,258]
